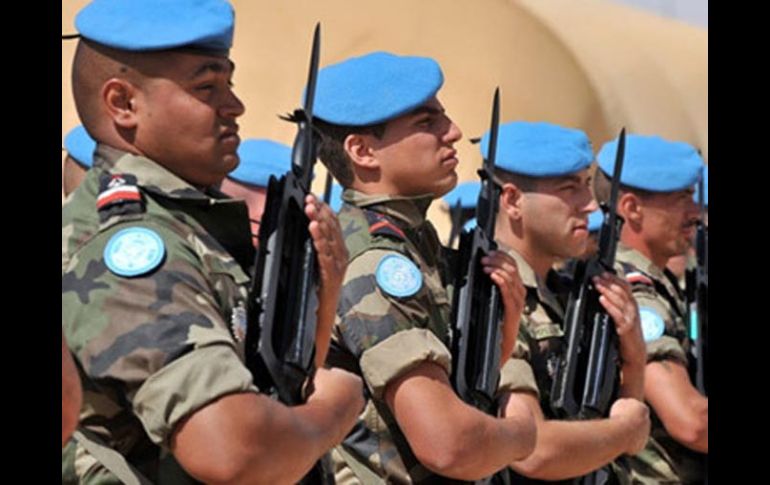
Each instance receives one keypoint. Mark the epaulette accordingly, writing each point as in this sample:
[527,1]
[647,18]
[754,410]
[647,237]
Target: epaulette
[118,195]
[381,225]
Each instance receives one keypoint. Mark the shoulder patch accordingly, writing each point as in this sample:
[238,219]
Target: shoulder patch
[398,276]
[637,277]
[380,224]
[653,325]
[118,194]
[134,251]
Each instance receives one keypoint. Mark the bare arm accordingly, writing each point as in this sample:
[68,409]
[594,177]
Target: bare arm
[450,437]
[250,438]
[683,410]
[567,449]
[617,299]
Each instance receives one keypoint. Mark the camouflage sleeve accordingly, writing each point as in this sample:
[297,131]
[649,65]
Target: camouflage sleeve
[189,382]
[139,334]
[388,335]
[657,327]
[517,376]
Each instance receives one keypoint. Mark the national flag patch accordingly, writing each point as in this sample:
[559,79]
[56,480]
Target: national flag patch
[381,225]
[116,189]
[637,277]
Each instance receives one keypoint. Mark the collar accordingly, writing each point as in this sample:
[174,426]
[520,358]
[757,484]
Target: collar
[410,210]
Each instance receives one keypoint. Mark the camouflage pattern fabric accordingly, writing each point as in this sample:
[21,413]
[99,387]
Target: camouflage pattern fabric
[663,460]
[381,336]
[156,346]
[541,343]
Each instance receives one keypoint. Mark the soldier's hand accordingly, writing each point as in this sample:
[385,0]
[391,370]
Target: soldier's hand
[503,271]
[341,395]
[636,417]
[332,257]
[617,299]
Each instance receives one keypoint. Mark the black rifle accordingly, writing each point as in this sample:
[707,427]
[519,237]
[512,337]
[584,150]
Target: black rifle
[328,188]
[281,328]
[477,310]
[697,291]
[456,217]
[587,379]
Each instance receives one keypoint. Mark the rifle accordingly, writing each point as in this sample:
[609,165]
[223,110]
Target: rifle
[697,292]
[586,379]
[476,310]
[456,215]
[281,313]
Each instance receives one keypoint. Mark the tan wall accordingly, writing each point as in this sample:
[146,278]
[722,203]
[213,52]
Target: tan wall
[546,69]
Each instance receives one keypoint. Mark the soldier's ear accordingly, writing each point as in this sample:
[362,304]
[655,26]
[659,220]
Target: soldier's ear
[510,200]
[630,207]
[119,96]
[359,149]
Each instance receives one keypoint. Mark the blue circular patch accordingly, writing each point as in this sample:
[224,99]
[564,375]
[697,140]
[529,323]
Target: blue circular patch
[398,276]
[652,324]
[134,251]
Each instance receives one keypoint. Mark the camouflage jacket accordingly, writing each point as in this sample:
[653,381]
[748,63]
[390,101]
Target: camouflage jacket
[663,312]
[541,342]
[381,332]
[153,306]
[380,336]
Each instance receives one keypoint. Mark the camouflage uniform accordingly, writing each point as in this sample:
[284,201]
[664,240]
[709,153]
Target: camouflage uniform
[663,460]
[380,337]
[157,346]
[541,343]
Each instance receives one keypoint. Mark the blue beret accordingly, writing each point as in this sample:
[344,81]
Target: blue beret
[146,25]
[335,201]
[705,187]
[80,146]
[375,88]
[259,160]
[595,220]
[653,164]
[540,149]
[470,224]
[467,193]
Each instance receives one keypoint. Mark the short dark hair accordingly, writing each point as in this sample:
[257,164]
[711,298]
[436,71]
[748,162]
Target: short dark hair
[525,183]
[331,149]
[603,185]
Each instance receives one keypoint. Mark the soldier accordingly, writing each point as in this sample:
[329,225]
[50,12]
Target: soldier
[660,216]
[544,207]
[155,264]
[80,156]
[680,264]
[388,140]
[260,159]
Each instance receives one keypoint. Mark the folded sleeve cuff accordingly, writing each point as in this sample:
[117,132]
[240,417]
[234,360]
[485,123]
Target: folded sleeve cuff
[400,353]
[186,385]
[517,376]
